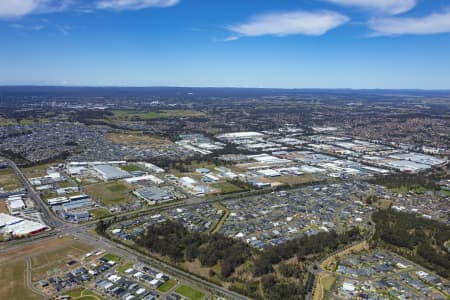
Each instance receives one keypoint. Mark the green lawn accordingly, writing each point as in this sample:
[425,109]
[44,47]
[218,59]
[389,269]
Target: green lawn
[167,286]
[81,294]
[132,168]
[125,267]
[112,257]
[100,213]
[190,293]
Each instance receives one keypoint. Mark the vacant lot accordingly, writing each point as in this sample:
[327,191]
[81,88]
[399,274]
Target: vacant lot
[167,286]
[226,187]
[36,171]
[99,213]
[13,281]
[9,180]
[138,140]
[3,207]
[190,293]
[45,255]
[110,194]
[83,294]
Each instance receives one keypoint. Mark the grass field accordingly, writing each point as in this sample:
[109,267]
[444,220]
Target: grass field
[36,171]
[138,140]
[3,207]
[167,286]
[110,194]
[132,168]
[13,282]
[45,255]
[83,294]
[129,115]
[9,180]
[113,257]
[190,293]
[99,213]
[226,187]
[125,267]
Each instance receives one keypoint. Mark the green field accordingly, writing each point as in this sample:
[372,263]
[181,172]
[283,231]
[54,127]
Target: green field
[167,286]
[190,293]
[130,115]
[132,168]
[125,267]
[226,187]
[110,194]
[113,257]
[99,213]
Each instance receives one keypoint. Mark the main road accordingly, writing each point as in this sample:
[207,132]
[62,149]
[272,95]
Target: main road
[84,234]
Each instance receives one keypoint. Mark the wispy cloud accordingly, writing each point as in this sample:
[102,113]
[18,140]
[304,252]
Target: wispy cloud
[288,23]
[135,4]
[26,27]
[431,24]
[392,7]
[19,8]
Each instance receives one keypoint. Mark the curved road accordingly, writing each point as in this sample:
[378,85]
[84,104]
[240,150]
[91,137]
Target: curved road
[81,232]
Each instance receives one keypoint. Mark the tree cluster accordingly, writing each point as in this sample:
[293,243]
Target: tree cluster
[173,240]
[419,239]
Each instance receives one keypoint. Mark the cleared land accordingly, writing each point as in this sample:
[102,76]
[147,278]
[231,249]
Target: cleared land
[190,293]
[3,207]
[45,256]
[36,171]
[110,194]
[226,187]
[13,282]
[138,140]
[9,180]
[82,294]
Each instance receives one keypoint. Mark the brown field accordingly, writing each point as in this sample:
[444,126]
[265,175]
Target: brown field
[3,207]
[36,171]
[45,255]
[324,284]
[293,180]
[13,282]
[9,180]
[138,140]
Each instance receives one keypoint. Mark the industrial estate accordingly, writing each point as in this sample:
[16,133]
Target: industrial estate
[135,199]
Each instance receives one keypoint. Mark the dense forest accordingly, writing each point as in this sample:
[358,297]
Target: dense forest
[173,240]
[421,240]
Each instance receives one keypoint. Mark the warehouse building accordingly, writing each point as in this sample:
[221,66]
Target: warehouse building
[153,195]
[17,227]
[108,172]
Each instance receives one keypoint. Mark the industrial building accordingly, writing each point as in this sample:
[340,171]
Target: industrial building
[108,172]
[17,227]
[153,195]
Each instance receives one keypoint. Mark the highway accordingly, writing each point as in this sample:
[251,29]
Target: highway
[84,233]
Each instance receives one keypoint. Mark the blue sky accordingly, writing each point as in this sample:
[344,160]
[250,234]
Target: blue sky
[235,43]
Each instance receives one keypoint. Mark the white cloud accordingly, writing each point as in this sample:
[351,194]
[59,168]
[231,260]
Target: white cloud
[135,4]
[392,7]
[20,8]
[288,23]
[431,24]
